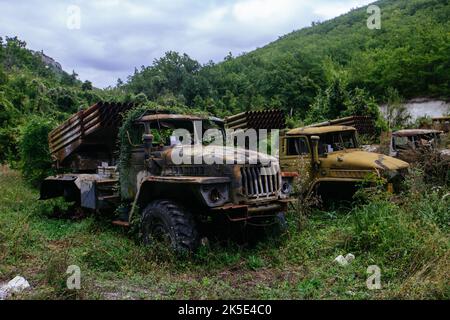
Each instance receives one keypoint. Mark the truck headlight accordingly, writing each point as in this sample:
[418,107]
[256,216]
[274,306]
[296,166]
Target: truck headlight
[215,195]
[287,186]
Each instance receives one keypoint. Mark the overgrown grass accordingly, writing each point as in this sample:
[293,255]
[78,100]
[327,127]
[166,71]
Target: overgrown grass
[407,238]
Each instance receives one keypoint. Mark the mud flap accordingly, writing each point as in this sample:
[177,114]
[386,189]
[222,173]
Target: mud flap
[88,194]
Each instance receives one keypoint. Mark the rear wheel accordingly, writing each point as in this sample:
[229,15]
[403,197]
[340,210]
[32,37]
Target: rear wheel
[165,221]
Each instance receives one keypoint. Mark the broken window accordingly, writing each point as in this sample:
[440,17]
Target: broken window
[403,143]
[297,146]
[332,142]
[135,135]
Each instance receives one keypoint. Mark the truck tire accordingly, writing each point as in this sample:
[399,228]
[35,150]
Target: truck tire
[275,229]
[281,224]
[278,228]
[164,220]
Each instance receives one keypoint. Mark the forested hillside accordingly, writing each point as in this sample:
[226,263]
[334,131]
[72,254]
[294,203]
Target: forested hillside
[320,66]
[29,87]
[35,89]
[331,69]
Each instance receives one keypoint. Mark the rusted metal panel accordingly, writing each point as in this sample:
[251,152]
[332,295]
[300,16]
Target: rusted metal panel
[96,126]
[189,180]
[363,124]
[163,116]
[319,130]
[92,191]
[236,212]
[88,194]
[289,174]
[264,119]
[414,132]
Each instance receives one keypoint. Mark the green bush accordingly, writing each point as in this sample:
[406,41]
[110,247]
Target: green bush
[36,163]
[381,227]
[406,235]
[431,207]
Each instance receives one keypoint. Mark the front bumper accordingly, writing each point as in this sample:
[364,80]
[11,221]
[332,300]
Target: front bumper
[243,212]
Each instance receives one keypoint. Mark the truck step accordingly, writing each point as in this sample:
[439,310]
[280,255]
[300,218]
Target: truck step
[121,223]
[109,198]
[107,182]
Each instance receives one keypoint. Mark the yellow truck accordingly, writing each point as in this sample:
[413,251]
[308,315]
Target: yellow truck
[328,161]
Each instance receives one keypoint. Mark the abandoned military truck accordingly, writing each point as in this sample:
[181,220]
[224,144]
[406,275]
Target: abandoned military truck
[170,199]
[329,162]
[405,143]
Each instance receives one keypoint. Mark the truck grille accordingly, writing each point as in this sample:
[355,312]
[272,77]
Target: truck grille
[260,182]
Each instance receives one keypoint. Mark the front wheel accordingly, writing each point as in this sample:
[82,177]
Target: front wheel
[165,221]
[279,227]
[273,228]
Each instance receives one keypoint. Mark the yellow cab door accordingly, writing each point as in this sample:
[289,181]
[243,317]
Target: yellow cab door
[295,157]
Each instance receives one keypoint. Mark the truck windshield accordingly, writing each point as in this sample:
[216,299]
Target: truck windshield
[163,131]
[403,142]
[412,142]
[337,141]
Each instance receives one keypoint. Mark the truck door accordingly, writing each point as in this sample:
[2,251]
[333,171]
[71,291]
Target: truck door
[134,163]
[296,157]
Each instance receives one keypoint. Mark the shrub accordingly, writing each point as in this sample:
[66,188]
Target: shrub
[36,163]
[379,226]
[434,165]
[429,203]
[404,234]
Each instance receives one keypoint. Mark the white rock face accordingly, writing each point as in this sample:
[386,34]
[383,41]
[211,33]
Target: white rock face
[422,107]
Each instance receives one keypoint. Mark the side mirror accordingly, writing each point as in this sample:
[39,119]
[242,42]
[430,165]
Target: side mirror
[147,140]
[315,151]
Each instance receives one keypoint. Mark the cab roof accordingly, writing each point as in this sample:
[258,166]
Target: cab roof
[414,132]
[319,130]
[441,118]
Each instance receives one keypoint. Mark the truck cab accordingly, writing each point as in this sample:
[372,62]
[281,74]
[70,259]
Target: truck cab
[220,178]
[404,143]
[328,160]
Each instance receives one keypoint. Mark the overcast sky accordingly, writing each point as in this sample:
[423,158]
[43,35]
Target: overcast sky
[114,36]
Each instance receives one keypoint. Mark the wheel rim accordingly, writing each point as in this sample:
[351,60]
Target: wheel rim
[157,231]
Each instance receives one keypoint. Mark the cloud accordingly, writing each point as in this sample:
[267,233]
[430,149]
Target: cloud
[327,11]
[118,35]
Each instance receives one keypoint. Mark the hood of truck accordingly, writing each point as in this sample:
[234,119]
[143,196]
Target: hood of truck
[361,160]
[217,155]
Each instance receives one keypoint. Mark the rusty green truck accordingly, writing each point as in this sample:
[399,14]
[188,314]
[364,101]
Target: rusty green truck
[171,200]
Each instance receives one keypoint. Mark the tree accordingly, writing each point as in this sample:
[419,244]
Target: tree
[69,79]
[140,99]
[86,86]
[3,76]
